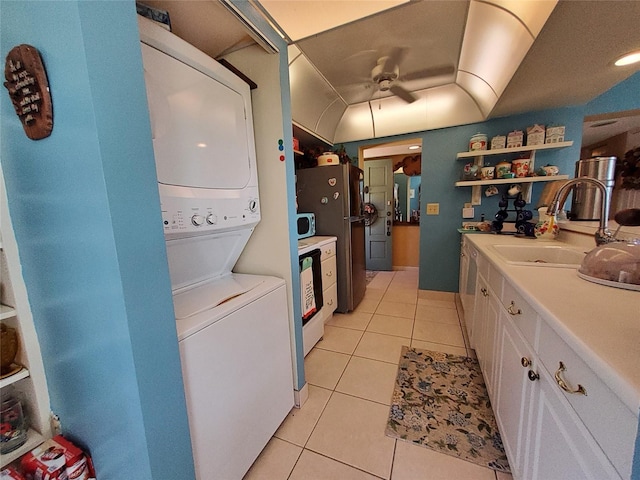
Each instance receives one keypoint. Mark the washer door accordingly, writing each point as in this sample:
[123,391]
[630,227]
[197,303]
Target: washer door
[199,125]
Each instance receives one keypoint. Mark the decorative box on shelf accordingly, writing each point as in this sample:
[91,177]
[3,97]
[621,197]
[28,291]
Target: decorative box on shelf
[535,135]
[499,141]
[515,139]
[555,134]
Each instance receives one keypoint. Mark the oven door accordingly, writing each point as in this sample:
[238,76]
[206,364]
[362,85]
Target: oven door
[310,284]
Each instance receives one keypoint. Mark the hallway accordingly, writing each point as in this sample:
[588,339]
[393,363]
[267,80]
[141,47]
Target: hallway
[339,431]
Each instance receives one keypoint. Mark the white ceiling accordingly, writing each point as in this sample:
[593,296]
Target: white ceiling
[570,61]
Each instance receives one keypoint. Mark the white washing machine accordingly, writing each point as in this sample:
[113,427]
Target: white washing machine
[236,365]
[233,329]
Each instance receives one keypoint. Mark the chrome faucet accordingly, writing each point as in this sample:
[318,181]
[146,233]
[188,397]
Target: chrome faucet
[602,235]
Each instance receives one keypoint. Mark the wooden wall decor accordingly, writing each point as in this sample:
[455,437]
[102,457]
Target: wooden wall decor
[29,90]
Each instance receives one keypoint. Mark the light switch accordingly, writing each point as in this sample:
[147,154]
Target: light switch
[433,209]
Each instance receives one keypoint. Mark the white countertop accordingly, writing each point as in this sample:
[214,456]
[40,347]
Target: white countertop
[601,324]
[305,245]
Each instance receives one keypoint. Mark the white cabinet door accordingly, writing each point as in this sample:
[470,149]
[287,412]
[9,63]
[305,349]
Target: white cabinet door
[486,313]
[479,318]
[514,392]
[489,344]
[560,445]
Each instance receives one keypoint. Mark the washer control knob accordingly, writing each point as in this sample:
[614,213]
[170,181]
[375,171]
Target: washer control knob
[197,220]
[212,219]
[253,205]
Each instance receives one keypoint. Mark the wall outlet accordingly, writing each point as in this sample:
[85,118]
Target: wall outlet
[433,209]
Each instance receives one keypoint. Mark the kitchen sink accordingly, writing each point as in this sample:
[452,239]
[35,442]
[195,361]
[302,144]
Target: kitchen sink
[540,255]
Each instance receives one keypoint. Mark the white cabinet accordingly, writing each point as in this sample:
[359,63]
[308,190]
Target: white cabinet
[313,330]
[29,383]
[467,280]
[515,375]
[478,158]
[329,280]
[560,445]
[548,431]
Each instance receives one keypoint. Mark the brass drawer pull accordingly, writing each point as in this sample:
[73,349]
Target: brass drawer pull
[562,384]
[533,376]
[525,362]
[484,291]
[329,274]
[513,310]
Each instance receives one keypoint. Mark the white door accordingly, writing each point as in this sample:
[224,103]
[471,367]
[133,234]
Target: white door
[378,190]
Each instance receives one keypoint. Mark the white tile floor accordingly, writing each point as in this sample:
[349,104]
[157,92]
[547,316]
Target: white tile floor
[339,432]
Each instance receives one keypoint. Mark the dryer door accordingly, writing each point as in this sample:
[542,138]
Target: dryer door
[199,125]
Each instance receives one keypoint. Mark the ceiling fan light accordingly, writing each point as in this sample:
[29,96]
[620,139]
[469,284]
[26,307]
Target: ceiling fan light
[628,59]
[384,85]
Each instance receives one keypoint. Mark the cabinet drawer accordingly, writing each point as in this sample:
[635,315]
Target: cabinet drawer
[329,272]
[610,422]
[527,320]
[328,250]
[330,301]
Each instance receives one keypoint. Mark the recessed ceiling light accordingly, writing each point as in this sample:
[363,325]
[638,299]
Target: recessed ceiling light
[414,147]
[628,59]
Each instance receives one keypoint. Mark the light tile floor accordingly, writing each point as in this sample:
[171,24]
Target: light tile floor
[339,432]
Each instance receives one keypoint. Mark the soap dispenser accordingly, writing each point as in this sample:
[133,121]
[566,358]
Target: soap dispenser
[547,227]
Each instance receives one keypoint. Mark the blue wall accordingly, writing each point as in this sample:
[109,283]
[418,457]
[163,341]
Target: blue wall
[85,209]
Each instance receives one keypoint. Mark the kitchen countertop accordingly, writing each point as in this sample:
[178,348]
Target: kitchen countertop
[305,245]
[601,324]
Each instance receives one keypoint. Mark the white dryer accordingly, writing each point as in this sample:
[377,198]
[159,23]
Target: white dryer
[233,329]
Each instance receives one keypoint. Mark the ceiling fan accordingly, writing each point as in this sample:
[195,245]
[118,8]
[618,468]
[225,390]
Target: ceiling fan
[385,75]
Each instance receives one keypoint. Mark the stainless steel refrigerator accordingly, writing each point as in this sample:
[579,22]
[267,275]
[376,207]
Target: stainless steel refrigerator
[333,193]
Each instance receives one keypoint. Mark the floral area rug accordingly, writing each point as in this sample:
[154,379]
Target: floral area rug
[440,402]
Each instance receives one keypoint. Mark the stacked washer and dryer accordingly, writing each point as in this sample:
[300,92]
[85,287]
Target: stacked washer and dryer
[233,329]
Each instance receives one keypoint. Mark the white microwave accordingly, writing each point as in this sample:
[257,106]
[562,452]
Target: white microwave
[306,225]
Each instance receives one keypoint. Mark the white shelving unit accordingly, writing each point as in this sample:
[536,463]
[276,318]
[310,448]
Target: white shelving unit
[15,312]
[478,156]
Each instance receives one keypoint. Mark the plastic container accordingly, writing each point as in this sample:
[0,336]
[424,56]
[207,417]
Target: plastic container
[14,424]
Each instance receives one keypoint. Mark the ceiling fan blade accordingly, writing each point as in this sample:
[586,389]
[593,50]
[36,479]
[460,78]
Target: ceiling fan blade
[428,72]
[405,95]
[394,58]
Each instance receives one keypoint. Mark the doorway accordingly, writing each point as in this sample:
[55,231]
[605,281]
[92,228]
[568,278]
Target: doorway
[616,134]
[404,239]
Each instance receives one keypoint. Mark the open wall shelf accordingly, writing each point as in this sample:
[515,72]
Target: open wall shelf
[478,156]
